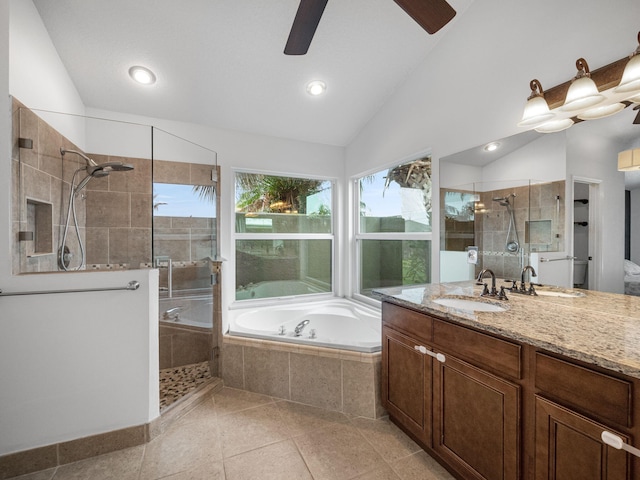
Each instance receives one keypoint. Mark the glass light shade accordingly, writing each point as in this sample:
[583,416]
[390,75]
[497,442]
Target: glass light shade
[630,81]
[536,111]
[554,126]
[629,160]
[583,93]
[601,111]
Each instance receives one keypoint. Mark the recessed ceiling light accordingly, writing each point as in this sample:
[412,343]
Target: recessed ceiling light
[142,75]
[491,147]
[316,88]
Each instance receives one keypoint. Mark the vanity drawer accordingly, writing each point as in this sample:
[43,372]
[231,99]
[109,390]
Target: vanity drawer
[494,354]
[410,322]
[602,395]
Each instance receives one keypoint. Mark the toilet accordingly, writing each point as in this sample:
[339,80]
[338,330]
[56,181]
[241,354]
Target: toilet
[579,272]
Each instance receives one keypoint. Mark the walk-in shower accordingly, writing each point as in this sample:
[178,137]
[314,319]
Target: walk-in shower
[512,243]
[93,170]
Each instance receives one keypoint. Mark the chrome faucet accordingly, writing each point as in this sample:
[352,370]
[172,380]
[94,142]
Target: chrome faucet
[300,327]
[173,313]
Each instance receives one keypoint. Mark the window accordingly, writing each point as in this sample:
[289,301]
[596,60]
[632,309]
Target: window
[284,236]
[393,228]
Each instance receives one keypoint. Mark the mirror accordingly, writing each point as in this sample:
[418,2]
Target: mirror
[592,227]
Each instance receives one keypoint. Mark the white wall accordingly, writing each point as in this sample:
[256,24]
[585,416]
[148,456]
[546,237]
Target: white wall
[592,155]
[37,76]
[473,87]
[635,226]
[71,364]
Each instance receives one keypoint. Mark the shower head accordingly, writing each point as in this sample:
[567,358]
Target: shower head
[504,201]
[102,170]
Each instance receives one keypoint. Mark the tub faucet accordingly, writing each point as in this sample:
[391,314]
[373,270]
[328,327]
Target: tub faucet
[300,327]
[485,290]
[173,313]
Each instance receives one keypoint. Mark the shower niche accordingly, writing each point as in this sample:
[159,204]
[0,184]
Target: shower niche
[505,221]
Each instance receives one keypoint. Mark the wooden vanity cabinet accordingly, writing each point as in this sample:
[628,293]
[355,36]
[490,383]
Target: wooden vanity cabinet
[497,409]
[466,416]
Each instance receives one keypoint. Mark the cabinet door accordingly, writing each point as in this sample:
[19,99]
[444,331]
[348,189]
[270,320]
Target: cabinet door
[568,446]
[406,383]
[476,421]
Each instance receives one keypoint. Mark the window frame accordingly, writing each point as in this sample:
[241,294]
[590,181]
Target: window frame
[239,236]
[359,236]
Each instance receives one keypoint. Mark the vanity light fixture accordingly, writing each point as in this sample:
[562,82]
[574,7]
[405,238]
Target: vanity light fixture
[588,96]
[629,160]
[583,91]
[491,147]
[536,111]
[315,88]
[142,75]
[630,81]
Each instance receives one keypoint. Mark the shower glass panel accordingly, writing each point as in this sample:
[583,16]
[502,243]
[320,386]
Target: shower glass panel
[81,193]
[504,221]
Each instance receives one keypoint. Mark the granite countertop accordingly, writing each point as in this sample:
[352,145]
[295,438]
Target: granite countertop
[599,328]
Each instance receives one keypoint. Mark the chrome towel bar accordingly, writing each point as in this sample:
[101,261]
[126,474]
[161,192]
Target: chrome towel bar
[557,259]
[132,285]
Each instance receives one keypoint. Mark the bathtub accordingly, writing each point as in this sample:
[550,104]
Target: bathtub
[195,310]
[337,323]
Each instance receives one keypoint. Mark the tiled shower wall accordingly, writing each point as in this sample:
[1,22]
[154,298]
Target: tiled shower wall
[539,219]
[41,179]
[114,212]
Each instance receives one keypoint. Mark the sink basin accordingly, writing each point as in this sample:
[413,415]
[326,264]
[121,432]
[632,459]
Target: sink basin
[469,305]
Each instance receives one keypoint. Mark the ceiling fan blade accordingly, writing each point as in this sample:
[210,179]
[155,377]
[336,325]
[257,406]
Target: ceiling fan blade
[304,26]
[431,15]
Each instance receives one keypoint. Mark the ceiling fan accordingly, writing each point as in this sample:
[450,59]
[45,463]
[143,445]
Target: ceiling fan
[431,15]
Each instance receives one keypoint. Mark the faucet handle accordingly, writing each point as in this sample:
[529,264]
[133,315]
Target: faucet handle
[485,290]
[502,295]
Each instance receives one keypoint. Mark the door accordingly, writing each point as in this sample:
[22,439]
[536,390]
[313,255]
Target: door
[476,419]
[406,383]
[568,446]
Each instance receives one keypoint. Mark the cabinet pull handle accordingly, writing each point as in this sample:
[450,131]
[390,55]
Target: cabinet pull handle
[615,441]
[438,356]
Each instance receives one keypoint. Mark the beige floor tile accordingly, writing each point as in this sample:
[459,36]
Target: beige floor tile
[230,400]
[301,418]
[41,475]
[338,452]
[383,473]
[251,428]
[203,412]
[388,440]
[420,466]
[278,461]
[213,470]
[183,447]
[120,465]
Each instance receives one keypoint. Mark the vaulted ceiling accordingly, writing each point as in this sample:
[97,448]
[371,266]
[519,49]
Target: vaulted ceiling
[221,63]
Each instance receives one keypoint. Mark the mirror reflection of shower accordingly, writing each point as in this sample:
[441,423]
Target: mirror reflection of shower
[512,243]
[92,170]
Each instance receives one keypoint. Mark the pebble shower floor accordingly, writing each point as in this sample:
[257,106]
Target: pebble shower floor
[177,382]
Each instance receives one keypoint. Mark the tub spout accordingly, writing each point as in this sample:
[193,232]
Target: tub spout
[300,327]
[173,313]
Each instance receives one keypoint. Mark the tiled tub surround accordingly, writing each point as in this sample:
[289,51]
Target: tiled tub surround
[333,379]
[598,328]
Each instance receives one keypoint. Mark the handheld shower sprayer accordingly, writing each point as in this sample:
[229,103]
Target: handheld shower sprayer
[92,169]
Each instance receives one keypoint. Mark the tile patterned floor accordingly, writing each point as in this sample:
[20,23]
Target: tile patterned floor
[238,435]
[177,382]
